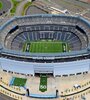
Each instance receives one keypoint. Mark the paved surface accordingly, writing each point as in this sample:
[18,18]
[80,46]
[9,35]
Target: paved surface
[19,8]
[4,97]
[34,10]
[6,5]
[73,6]
[74,2]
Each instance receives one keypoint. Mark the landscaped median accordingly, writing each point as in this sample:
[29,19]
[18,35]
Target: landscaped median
[26,7]
[15,3]
[1,5]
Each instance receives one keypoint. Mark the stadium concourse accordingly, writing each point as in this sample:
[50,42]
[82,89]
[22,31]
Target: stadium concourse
[65,86]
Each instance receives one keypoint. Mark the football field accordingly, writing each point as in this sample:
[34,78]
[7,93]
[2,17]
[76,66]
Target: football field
[45,46]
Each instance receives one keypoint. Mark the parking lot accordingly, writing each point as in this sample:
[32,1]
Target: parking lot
[34,10]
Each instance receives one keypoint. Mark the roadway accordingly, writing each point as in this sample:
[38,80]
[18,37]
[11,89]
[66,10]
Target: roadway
[19,8]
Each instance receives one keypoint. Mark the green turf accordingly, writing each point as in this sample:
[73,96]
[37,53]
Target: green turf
[15,4]
[1,5]
[45,46]
[19,81]
[43,83]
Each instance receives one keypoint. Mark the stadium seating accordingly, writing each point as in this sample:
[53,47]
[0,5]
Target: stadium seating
[51,32]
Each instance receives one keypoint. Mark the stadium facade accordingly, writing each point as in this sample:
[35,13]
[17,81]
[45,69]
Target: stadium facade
[72,29]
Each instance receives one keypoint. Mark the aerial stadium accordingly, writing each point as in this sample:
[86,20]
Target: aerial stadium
[45,45]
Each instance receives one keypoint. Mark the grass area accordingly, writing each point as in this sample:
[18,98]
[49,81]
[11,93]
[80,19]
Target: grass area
[1,5]
[26,7]
[15,4]
[19,81]
[45,46]
[43,83]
